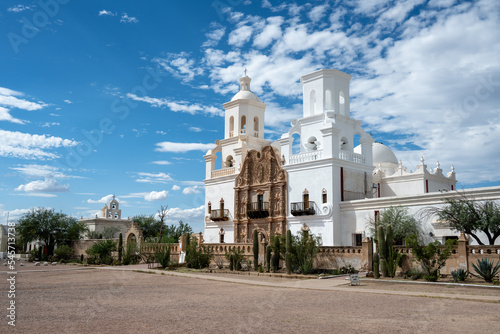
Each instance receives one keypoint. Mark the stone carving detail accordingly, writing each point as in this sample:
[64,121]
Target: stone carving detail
[261,179]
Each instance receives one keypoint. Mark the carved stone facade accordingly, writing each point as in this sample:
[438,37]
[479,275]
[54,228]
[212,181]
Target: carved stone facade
[261,196]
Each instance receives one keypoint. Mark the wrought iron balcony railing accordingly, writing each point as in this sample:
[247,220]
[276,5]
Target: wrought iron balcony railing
[303,208]
[257,210]
[218,215]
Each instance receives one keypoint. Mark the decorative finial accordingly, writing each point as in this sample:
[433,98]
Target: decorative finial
[245,71]
[400,164]
[452,169]
[438,165]
[422,159]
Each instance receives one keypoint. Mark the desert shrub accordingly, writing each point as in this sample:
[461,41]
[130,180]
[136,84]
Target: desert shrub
[130,255]
[64,252]
[100,252]
[432,257]
[198,257]
[219,261]
[162,256]
[306,246]
[485,269]
[415,273]
[235,256]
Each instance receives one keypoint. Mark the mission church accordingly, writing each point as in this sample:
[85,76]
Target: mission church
[313,177]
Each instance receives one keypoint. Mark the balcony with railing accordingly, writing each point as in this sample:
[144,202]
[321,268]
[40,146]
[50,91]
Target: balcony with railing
[303,208]
[256,210]
[351,156]
[305,157]
[223,172]
[218,215]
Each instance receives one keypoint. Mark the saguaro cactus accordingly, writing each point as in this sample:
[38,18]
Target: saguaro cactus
[120,248]
[382,250]
[255,250]
[288,260]
[376,260]
[268,258]
[276,256]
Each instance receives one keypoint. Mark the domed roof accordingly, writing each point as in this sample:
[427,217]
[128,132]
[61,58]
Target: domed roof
[245,95]
[381,154]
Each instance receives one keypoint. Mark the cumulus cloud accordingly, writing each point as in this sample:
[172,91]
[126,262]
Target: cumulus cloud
[128,19]
[153,177]
[39,186]
[182,147]
[19,8]
[161,162]
[106,13]
[176,187]
[192,190]
[10,99]
[178,106]
[105,199]
[180,65]
[193,216]
[31,146]
[156,196]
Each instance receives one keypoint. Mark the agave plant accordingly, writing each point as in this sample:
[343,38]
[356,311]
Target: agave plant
[486,270]
[459,274]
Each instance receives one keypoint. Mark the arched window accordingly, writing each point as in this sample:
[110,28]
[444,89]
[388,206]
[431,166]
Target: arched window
[324,196]
[243,124]
[344,144]
[312,102]
[229,161]
[328,100]
[256,126]
[342,104]
[231,126]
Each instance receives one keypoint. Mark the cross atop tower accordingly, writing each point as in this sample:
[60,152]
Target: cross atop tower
[245,71]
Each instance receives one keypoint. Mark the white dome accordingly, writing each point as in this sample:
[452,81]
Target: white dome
[382,155]
[245,95]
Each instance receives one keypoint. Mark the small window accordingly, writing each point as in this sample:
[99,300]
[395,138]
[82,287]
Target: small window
[324,196]
[209,207]
[357,239]
[116,215]
[109,215]
[114,206]
[221,238]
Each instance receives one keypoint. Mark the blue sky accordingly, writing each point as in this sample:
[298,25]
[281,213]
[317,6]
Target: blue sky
[125,97]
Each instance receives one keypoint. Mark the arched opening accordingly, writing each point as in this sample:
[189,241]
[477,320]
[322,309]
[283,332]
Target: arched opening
[243,125]
[355,140]
[229,161]
[256,126]
[344,144]
[231,126]
[218,160]
[324,196]
[312,144]
[296,149]
[312,102]
[132,238]
[342,103]
[328,99]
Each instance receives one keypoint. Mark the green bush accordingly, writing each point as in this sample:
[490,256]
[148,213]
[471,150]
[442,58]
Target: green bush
[415,273]
[485,269]
[432,257]
[64,252]
[306,247]
[130,255]
[162,256]
[235,256]
[198,257]
[100,252]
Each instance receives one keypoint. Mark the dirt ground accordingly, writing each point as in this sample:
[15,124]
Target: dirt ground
[110,301]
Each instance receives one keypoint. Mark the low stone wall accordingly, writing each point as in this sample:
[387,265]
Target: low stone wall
[337,257]
[80,246]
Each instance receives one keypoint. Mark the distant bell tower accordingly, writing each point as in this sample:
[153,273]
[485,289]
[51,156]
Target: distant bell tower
[113,211]
[244,113]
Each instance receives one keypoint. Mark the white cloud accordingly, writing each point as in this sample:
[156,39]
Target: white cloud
[37,171]
[128,19]
[215,35]
[106,12]
[181,106]
[68,101]
[156,196]
[317,13]
[176,187]
[182,147]
[271,32]
[19,8]
[39,186]
[194,217]
[153,177]
[162,162]
[49,124]
[13,214]
[195,129]
[180,65]
[240,36]
[11,99]
[30,146]
[105,200]
[192,190]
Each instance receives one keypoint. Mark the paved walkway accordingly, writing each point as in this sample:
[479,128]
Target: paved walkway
[332,284]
